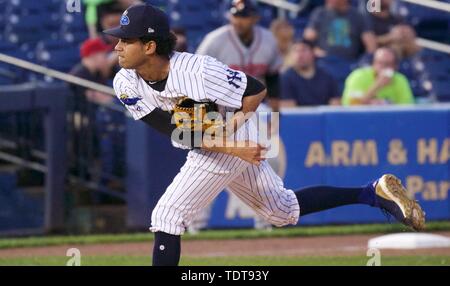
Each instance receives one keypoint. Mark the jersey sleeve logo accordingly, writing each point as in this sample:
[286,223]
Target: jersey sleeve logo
[232,77]
[129,100]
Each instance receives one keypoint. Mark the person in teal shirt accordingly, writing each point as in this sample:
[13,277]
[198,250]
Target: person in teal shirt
[378,84]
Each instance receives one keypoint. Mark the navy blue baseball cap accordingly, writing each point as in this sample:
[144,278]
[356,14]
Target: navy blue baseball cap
[243,8]
[141,20]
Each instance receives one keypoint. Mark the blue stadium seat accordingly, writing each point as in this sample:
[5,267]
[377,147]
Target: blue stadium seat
[299,24]
[187,13]
[431,55]
[435,29]
[53,22]
[418,13]
[195,37]
[23,29]
[53,6]
[406,67]
[441,90]
[10,74]
[267,14]
[438,69]
[24,7]
[6,76]
[74,37]
[21,36]
[192,5]
[2,19]
[6,47]
[336,67]
[53,44]
[18,20]
[62,59]
[73,22]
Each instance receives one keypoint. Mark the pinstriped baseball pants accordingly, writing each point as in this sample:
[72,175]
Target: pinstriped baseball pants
[206,174]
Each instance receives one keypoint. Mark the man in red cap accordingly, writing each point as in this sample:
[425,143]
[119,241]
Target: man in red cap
[88,104]
[94,61]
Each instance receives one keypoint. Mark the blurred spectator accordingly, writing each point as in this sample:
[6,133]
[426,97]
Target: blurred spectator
[404,41]
[384,20]
[339,30]
[109,17]
[378,84]
[306,84]
[392,31]
[94,59]
[245,46]
[95,7]
[95,118]
[91,15]
[181,45]
[284,34]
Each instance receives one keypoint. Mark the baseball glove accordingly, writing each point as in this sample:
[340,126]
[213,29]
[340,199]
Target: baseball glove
[197,116]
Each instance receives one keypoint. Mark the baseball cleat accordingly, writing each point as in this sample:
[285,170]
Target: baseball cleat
[392,197]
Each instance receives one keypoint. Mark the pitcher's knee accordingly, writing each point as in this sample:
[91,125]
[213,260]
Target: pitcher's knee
[167,219]
[280,219]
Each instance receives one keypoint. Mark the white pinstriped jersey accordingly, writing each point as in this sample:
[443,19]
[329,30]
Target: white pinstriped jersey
[260,58]
[205,174]
[201,78]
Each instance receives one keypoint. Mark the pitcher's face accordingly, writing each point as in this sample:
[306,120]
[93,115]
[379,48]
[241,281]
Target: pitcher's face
[131,53]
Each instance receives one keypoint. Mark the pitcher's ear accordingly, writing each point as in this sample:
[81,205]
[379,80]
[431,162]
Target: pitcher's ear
[150,47]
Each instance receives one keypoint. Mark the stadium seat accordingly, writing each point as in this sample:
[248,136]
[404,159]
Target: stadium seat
[267,14]
[75,38]
[339,69]
[62,59]
[53,6]
[53,44]
[73,22]
[418,13]
[23,29]
[438,70]
[441,90]
[431,55]
[24,7]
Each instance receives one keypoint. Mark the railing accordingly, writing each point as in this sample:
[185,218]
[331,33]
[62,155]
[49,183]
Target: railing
[292,7]
[431,4]
[95,154]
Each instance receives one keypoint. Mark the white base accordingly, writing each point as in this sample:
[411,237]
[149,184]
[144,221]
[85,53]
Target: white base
[409,241]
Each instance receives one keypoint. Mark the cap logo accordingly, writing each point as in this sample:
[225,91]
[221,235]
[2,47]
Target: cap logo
[124,20]
[150,30]
[239,4]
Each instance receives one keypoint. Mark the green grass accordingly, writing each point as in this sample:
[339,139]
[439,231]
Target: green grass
[231,261]
[218,234]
